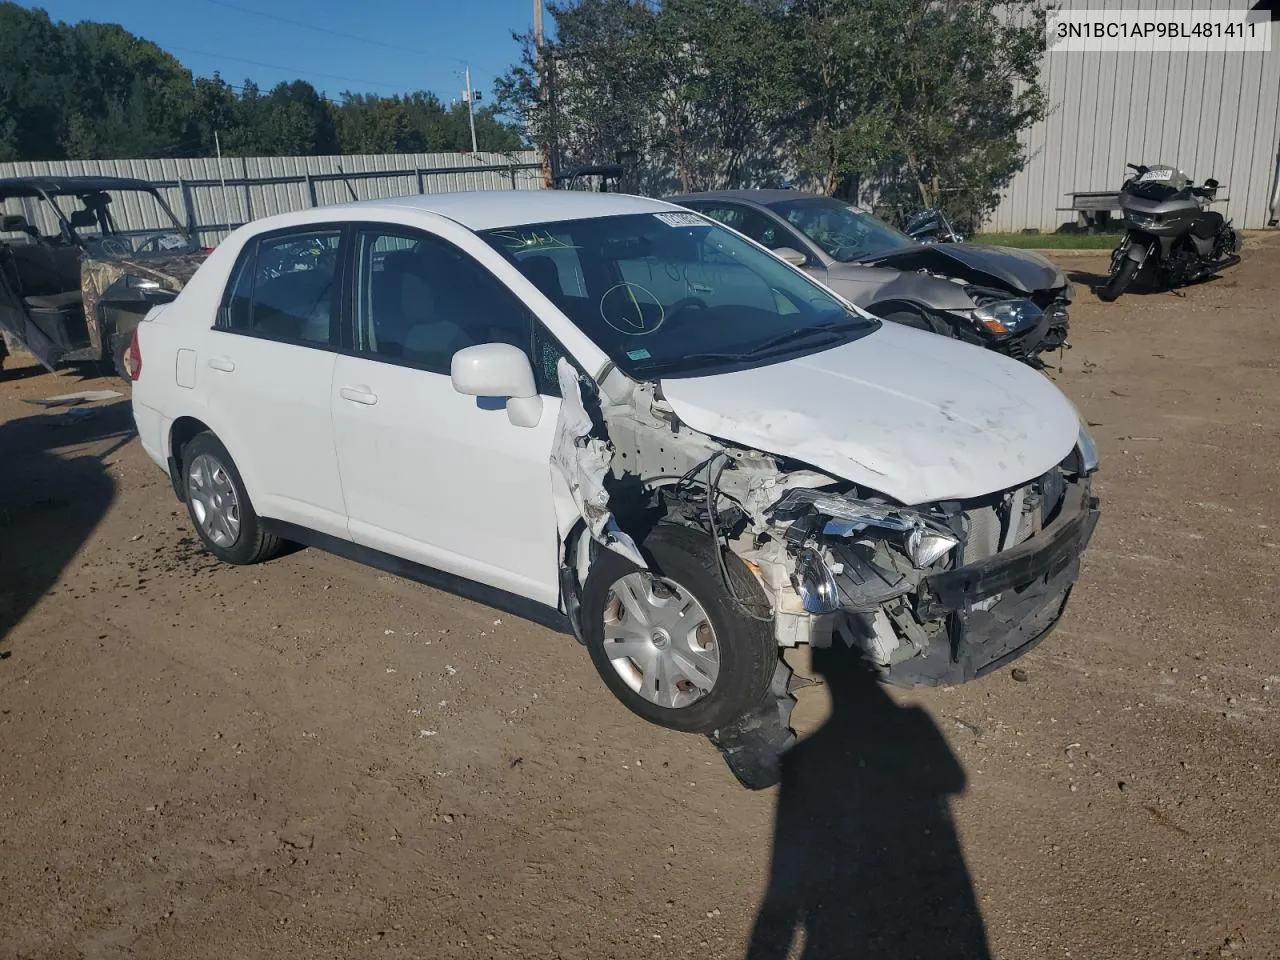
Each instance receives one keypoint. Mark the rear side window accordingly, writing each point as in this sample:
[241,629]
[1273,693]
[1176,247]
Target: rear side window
[285,287]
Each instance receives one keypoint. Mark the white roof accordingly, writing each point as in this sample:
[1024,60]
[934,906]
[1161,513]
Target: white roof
[487,209]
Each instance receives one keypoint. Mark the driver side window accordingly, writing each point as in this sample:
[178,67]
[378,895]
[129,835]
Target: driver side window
[749,222]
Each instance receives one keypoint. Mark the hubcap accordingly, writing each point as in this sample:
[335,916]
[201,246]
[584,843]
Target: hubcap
[660,640]
[213,500]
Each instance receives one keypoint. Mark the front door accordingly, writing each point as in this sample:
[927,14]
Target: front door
[429,474]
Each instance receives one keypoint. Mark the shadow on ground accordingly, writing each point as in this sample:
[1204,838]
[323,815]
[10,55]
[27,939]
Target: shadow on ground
[51,502]
[866,860]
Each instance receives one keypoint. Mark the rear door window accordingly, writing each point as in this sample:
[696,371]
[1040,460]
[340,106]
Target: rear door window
[285,287]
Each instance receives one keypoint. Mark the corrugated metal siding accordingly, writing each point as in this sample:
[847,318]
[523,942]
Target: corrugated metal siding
[213,208]
[1212,114]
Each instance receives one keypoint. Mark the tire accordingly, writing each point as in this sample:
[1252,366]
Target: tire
[118,347]
[208,471]
[1120,280]
[744,646]
[917,320]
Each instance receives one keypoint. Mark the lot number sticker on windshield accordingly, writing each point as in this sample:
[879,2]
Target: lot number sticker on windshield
[681,219]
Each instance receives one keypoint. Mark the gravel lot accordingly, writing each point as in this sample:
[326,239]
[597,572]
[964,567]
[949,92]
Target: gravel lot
[312,759]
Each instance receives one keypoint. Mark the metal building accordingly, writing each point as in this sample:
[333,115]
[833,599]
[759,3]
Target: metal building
[1213,114]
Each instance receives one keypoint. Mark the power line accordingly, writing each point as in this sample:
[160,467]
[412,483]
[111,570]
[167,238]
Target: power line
[294,70]
[339,33]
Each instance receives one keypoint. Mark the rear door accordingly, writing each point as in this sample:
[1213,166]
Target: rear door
[429,474]
[266,368]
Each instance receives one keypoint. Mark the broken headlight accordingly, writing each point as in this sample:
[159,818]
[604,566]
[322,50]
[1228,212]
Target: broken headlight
[1008,316]
[924,540]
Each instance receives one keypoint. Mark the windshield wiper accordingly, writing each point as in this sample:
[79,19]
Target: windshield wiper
[828,331]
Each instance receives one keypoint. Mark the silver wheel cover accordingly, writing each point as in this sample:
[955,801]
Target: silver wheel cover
[213,500]
[660,640]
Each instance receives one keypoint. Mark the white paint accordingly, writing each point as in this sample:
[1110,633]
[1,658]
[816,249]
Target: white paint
[911,415]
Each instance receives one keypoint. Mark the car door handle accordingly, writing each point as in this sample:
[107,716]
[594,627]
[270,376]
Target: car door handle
[222,363]
[360,394]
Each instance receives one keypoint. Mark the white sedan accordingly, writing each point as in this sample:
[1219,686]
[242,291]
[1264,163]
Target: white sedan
[616,416]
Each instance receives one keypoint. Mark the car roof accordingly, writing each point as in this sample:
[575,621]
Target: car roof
[63,186]
[487,209]
[760,197]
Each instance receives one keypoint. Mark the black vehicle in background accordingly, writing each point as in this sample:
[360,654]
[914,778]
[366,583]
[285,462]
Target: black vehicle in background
[1169,237]
[73,281]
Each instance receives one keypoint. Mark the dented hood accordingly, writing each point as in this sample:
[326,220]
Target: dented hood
[1022,271]
[911,415]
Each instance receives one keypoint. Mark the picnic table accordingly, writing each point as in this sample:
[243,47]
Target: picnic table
[1093,207]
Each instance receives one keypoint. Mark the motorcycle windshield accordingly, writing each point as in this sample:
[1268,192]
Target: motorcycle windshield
[1159,182]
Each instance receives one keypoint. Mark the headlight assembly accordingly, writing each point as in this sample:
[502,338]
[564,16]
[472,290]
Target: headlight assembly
[1008,316]
[1086,451]
[924,540]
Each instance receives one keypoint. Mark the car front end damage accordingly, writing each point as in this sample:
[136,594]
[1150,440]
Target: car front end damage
[936,593]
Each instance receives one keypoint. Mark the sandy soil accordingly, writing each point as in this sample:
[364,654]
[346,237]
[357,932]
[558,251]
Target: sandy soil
[311,759]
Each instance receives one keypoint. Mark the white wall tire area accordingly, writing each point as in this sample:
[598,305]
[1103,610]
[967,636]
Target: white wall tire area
[219,506]
[670,642]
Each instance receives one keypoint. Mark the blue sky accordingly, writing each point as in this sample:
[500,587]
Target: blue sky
[428,39]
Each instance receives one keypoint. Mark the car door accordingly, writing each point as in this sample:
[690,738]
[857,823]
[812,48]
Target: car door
[429,474]
[267,368]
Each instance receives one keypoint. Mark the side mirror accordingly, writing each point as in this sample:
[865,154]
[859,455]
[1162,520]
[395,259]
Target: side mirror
[499,370]
[791,255]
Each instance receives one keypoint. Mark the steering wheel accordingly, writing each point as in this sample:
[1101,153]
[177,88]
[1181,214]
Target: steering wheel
[114,247]
[685,303]
[151,244]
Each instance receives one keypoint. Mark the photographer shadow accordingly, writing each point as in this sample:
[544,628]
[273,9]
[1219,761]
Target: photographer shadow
[866,859]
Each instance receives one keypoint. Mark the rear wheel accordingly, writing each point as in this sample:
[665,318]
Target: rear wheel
[670,642]
[1120,279]
[219,506]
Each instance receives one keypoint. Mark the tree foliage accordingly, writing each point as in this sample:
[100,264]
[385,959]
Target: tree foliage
[96,91]
[907,102]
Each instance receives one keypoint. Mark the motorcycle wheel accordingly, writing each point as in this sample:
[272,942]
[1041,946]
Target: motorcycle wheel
[1120,280]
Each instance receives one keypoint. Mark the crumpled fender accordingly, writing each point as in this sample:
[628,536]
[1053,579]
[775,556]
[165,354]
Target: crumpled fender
[579,463]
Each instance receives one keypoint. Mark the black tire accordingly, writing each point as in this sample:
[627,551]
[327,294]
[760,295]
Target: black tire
[119,345]
[253,544]
[1120,280]
[917,320]
[747,648]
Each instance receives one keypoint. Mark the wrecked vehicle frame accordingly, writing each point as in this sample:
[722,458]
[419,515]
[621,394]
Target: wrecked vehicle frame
[75,291]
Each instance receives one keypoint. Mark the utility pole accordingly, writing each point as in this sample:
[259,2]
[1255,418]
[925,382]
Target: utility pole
[544,104]
[469,96]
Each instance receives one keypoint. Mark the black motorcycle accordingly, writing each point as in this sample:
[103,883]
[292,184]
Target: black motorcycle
[1168,231]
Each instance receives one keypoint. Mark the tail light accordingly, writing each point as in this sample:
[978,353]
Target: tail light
[133,357]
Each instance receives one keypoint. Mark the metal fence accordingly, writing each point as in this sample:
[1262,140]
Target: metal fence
[214,197]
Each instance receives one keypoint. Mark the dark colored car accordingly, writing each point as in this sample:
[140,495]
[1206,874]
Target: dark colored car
[76,290]
[1012,301]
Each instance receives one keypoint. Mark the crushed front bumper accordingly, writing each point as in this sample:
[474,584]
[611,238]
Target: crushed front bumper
[1001,607]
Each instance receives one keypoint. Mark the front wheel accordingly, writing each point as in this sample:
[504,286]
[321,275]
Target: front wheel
[671,642]
[1120,280]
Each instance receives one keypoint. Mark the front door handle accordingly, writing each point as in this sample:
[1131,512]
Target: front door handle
[222,363]
[360,394]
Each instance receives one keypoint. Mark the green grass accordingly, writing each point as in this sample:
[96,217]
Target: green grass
[1050,241]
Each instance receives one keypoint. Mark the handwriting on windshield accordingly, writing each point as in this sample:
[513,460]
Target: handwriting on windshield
[517,241]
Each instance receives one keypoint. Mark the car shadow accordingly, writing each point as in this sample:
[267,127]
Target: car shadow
[50,504]
[866,859]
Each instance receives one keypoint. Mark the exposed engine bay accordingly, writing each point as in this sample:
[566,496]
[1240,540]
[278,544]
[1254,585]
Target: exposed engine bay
[834,559]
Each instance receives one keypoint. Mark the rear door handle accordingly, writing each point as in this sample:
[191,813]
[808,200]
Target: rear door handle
[360,394]
[222,363]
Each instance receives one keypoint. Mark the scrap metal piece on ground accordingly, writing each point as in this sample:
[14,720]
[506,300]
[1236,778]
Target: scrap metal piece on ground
[73,399]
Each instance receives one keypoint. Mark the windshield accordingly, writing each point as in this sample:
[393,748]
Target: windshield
[845,233]
[115,224]
[674,294]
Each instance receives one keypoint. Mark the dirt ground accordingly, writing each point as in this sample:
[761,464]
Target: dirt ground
[312,759]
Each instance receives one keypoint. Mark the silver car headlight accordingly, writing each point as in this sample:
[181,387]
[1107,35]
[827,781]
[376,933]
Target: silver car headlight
[1008,316]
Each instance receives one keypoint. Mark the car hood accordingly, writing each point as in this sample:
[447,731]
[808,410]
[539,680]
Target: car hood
[911,415]
[1019,270]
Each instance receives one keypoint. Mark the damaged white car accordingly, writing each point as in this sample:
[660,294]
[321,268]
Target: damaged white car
[619,417]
